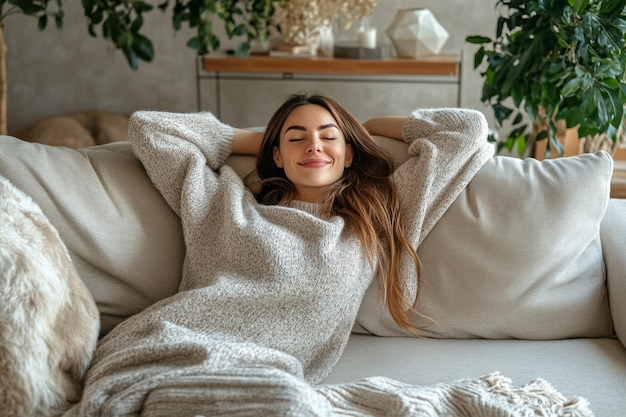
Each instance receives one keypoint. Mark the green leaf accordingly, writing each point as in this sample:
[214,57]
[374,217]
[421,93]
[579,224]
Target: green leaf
[176,23]
[573,116]
[593,99]
[193,43]
[91,30]
[240,30]
[501,112]
[230,28]
[602,112]
[542,135]
[142,46]
[479,57]
[141,7]
[612,8]
[58,20]
[477,39]
[137,24]
[243,49]
[509,143]
[131,57]
[613,104]
[29,7]
[520,144]
[572,87]
[42,22]
[96,17]
[517,93]
[591,26]
[578,5]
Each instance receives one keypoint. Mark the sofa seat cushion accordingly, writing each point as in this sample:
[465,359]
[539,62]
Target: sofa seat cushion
[591,368]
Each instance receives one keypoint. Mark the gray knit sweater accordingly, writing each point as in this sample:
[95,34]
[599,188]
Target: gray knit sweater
[266,286]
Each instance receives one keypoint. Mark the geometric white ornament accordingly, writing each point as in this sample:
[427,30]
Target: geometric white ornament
[416,32]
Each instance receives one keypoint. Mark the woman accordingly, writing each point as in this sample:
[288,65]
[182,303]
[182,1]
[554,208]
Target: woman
[273,280]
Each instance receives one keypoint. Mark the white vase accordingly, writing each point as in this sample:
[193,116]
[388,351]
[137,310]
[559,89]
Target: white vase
[326,41]
[416,32]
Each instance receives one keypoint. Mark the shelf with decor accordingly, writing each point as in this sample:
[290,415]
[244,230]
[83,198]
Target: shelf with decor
[440,69]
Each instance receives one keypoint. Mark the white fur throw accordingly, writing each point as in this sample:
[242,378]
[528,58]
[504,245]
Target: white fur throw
[48,320]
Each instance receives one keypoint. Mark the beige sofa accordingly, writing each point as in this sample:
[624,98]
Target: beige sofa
[525,274]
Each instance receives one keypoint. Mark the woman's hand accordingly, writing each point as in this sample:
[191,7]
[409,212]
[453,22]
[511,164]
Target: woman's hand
[388,126]
[247,142]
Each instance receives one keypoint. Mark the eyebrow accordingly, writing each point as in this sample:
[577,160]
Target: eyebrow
[322,127]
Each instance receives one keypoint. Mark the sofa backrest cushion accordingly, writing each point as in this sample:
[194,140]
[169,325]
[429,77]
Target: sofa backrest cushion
[517,255]
[124,240]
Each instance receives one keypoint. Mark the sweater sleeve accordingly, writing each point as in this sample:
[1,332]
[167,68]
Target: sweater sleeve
[447,147]
[179,148]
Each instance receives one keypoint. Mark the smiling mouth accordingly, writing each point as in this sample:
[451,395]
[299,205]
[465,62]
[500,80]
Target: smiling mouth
[314,163]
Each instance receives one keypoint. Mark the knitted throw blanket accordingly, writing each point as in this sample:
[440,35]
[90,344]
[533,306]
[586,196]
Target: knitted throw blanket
[263,391]
[164,370]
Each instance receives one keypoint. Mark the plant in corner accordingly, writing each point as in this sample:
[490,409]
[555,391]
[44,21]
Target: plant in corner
[121,22]
[551,61]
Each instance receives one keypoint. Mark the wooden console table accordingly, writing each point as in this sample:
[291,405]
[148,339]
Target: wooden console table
[445,68]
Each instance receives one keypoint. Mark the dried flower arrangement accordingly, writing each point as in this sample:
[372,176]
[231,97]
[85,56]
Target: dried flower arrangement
[300,21]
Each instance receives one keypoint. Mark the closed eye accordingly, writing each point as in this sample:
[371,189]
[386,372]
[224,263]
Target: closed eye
[295,140]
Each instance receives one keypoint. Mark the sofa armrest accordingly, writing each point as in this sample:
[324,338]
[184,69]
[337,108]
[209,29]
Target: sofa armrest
[613,235]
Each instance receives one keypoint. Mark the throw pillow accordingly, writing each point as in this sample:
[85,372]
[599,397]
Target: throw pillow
[517,255]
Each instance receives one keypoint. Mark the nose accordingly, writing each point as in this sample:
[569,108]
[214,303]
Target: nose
[314,145]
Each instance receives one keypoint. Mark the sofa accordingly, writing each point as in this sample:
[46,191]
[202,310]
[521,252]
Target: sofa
[524,274]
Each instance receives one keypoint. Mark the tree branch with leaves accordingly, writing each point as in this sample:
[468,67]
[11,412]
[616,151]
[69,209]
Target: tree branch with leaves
[122,21]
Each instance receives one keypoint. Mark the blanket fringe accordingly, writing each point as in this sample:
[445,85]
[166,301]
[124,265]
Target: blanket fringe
[538,393]
[492,395]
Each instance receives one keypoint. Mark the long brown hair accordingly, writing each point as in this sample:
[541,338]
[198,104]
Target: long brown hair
[365,196]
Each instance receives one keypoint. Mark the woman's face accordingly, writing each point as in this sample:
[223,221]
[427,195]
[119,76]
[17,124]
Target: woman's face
[313,151]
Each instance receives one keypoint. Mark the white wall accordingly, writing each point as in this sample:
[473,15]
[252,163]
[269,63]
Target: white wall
[58,71]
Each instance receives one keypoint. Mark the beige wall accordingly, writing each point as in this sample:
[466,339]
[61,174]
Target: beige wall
[58,71]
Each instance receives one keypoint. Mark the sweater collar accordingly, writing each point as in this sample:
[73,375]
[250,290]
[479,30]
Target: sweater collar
[315,209]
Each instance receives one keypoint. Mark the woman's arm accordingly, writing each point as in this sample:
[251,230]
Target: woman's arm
[176,148]
[247,142]
[447,147]
[388,126]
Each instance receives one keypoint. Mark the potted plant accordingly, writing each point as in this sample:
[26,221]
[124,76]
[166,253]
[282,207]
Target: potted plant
[553,62]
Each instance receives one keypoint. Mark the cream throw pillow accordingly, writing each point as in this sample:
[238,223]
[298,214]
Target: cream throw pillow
[517,255]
